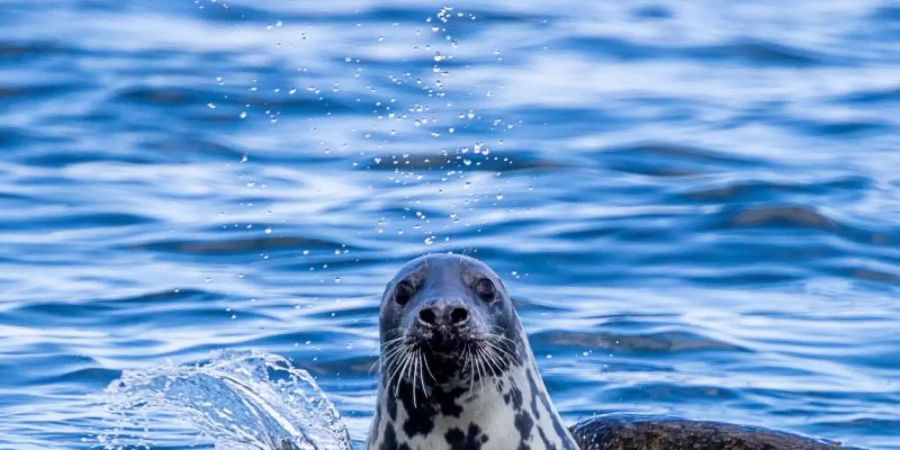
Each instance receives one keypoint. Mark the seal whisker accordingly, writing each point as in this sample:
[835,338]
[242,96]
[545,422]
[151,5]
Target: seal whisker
[478,364]
[499,352]
[479,350]
[494,361]
[391,358]
[388,350]
[499,349]
[500,337]
[488,368]
[394,351]
[388,370]
[499,346]
[428,369]
[414,369]
[472,370]
[484,373]
[392,342]
[402,374]
[424,362]
[502,354]
[395,371]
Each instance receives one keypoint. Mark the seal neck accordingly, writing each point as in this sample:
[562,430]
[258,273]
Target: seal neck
[496,411]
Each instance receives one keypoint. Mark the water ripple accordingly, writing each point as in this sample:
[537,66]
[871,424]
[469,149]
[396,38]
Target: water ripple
[696,208]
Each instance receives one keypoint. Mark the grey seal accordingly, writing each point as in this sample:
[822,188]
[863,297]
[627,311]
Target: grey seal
[456,372]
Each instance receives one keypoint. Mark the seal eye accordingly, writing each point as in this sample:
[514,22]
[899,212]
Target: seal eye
[485,289]
[403,292]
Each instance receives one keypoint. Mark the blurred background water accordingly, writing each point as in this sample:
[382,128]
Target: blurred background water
[696,204]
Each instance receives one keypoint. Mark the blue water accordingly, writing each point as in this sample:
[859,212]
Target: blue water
[697,204]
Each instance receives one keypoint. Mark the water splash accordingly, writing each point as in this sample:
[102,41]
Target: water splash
[237,400]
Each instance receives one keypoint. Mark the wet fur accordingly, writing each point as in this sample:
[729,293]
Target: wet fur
[427,401]
[489,401]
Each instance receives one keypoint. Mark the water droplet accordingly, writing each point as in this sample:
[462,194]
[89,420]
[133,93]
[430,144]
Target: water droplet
[211,105]
[243,114]
[268,230]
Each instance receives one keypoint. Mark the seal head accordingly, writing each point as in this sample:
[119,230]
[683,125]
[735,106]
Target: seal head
[456,370]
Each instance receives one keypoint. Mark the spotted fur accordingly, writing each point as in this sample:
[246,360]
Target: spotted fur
[503,405]
[467,410]
[498,415]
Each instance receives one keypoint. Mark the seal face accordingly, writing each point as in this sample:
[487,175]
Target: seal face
[456,370]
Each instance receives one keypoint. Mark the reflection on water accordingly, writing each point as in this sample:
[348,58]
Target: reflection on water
[696,205]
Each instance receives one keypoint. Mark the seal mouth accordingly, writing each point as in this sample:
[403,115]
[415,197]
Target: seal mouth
[451,355]
[444,341]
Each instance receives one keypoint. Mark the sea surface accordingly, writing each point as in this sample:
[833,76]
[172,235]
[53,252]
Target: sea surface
[695,204]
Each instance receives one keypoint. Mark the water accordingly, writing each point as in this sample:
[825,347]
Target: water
[239,400]
[696,204]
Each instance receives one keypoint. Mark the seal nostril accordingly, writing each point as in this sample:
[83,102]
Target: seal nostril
[427,315]
[459,315]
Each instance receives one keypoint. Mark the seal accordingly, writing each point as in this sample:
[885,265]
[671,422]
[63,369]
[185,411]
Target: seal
[456,372]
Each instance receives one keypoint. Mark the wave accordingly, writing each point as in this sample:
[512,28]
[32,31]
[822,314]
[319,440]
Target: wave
[237,400]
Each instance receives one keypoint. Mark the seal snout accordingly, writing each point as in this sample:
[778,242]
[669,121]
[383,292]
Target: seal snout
[444,325]
[443,314]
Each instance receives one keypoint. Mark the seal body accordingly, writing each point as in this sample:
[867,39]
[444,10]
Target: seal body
[456,371]
[632,432]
